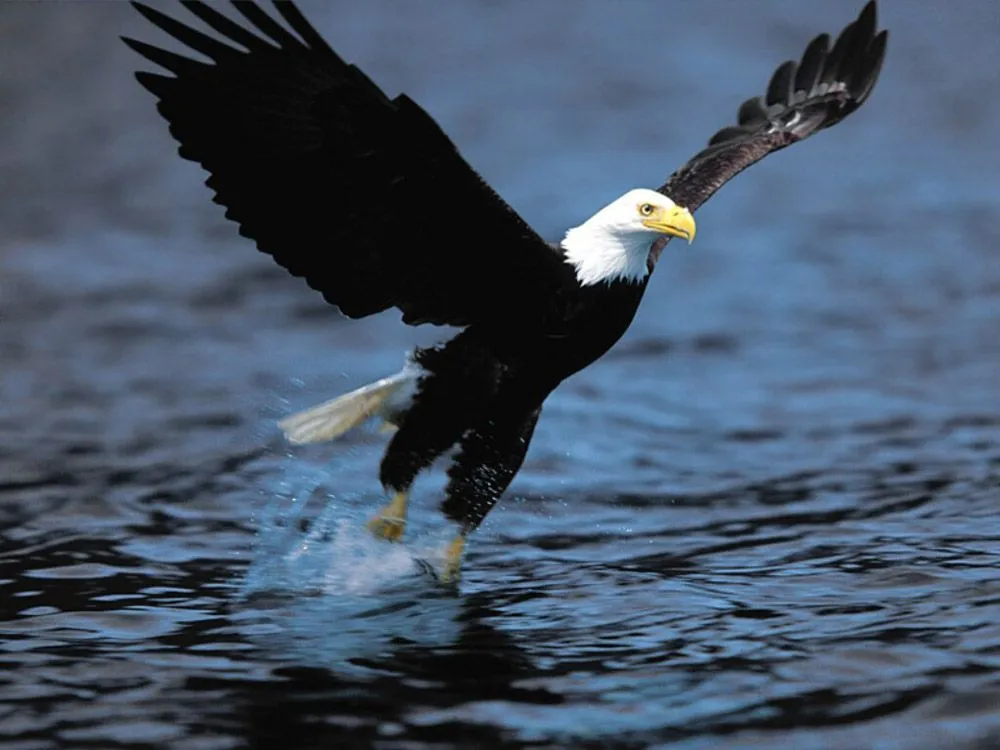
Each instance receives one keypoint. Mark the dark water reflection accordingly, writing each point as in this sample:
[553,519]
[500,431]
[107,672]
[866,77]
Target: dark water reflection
[768,519]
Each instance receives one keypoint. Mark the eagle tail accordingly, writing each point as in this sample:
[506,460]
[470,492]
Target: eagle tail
[387,398]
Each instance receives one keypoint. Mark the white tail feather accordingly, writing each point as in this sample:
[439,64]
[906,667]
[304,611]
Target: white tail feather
[385,398]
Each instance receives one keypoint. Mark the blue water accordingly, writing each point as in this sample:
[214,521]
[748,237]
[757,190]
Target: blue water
[766,519]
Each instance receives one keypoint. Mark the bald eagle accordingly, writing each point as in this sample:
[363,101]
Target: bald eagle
[367,199]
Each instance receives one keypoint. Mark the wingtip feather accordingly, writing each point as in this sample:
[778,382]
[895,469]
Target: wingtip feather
[872,69]
[301,26]
[224,25]
[780,87]
[811,64]
[154,83]
[176,64]
[150,13]
[265,24]
[196,40]
[826,85]
[869,14]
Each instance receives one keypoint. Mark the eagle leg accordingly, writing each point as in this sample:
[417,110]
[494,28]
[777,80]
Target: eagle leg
[453,560]
[390,522]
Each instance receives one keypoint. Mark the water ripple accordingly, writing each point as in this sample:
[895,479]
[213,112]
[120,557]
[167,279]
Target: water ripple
[766,519]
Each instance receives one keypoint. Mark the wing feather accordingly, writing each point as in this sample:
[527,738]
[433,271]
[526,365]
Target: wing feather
[751,112]
[780,87]
[811,66]
[265,24]
[221,24]
[362,195]
[822,89]
[303,28]
[206,45]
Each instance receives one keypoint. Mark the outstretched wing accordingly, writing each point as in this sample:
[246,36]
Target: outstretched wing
[802,98]
[362,195]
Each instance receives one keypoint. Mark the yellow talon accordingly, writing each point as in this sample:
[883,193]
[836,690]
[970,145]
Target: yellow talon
[453,560]
[390,522]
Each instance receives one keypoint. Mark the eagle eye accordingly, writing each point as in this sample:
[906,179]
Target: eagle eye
[646,209]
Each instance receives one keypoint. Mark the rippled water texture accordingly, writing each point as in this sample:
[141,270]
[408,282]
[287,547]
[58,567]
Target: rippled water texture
[767,519]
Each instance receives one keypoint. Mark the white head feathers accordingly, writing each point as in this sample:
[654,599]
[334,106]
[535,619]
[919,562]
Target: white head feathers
[614,243]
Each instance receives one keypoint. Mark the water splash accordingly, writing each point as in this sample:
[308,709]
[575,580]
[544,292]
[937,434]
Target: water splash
[313,541]
[322,590]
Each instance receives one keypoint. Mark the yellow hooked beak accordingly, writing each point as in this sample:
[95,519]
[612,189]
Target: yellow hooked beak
[675,221]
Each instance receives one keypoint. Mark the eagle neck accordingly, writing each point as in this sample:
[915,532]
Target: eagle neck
[601,255]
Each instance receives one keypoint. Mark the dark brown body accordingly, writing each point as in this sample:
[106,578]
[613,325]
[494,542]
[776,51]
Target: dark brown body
[484,393]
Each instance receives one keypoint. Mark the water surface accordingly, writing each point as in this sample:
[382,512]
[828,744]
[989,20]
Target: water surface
[766,519]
